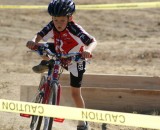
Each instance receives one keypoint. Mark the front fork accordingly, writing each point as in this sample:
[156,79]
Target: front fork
[58,90]
[55,79]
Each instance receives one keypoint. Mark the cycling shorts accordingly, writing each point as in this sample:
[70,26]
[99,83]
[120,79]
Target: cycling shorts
[77,81]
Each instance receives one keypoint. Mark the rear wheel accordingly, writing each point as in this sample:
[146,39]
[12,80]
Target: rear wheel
[52,100]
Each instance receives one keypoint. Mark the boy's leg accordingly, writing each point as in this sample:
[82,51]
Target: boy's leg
[77,95]
[78,100]
[75,83]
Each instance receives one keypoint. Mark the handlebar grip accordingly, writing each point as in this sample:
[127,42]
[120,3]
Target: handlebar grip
[38,49]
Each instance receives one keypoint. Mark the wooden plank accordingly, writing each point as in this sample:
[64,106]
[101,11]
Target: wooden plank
[116,81]
[28,92]
[111,99]
[116,99]
[110,92]
[122,100]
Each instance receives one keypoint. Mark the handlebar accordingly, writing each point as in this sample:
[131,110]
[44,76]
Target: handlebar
[76,56]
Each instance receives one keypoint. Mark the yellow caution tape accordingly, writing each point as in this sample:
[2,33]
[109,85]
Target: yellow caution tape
[120,6]
[140,5]
[23,7]
[116,118]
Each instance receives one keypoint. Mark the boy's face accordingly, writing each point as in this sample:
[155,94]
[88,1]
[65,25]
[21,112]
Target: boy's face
[61,22]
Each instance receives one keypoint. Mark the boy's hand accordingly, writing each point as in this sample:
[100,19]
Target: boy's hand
[86,54]
[31,44]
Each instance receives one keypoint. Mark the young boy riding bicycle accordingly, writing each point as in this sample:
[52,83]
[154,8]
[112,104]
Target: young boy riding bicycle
[67,37]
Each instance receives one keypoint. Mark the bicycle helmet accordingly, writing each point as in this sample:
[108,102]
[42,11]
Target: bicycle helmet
[61,8]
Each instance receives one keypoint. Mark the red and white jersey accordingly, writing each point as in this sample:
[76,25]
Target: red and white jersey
[73,39]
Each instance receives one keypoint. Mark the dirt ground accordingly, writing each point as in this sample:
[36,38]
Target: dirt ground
[128,43]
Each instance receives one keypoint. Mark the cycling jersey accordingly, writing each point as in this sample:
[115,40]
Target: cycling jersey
[73,39]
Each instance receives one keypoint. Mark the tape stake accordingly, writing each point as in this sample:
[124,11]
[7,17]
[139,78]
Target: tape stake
[116,118]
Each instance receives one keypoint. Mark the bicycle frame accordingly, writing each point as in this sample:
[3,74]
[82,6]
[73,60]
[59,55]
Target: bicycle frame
[44,89]
[50,80]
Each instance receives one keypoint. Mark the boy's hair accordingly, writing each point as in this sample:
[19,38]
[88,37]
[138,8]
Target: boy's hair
[61,8]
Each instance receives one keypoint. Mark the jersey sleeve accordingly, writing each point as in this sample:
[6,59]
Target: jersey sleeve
[85,37]
[47,32]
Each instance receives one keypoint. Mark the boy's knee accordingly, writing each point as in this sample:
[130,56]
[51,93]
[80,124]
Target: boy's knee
[76,93]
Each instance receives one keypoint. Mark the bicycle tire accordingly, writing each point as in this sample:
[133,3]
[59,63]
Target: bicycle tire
[43,80]
[48,122]
[36,121]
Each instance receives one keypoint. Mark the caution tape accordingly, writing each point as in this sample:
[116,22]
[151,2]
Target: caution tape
[116,118]
[140,5]
[23,7]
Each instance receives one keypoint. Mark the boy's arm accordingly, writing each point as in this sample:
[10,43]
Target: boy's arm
[88,51]
[35,41]
[91,46]
[40,35]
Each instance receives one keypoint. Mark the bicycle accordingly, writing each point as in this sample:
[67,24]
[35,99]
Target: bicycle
[49,88]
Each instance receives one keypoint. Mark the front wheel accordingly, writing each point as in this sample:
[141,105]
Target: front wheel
[52,100]
[36,120]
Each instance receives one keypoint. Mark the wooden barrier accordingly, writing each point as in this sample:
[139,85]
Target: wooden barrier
[116,81]
[111,92]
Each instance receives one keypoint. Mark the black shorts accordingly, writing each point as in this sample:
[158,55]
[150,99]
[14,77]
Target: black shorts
[77,81]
